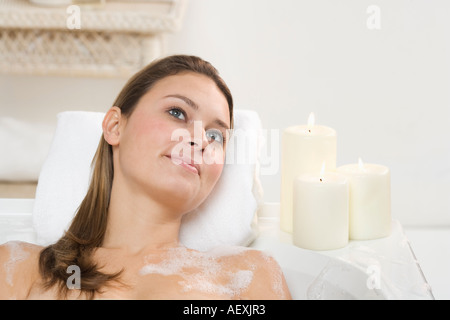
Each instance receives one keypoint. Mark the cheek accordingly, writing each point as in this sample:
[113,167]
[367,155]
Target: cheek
[214,172]
[144,141]
[147,127]
[214,154]
[150,133]
[214,159]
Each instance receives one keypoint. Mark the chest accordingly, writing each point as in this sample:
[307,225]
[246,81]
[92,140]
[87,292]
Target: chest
[195,284]
[176,275]
[169,287]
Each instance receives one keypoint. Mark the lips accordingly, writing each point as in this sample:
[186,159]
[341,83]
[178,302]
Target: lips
[186,163]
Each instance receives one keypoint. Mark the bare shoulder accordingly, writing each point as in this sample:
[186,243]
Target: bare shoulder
[18,268]
[267,281]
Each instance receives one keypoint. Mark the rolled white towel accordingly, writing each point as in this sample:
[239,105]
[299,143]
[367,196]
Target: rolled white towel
[64,178]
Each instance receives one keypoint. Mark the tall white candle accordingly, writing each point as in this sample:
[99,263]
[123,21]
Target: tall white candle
[304,149]
[370,200]
[321,211]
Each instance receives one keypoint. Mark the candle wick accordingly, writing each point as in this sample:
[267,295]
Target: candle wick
[321,180]
[309,131]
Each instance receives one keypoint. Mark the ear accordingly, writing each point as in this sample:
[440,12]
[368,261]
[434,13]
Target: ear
[111,126]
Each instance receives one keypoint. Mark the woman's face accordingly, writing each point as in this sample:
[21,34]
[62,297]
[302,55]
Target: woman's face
[172,146]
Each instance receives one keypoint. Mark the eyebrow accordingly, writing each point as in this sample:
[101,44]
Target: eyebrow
[188,101]
[194,106]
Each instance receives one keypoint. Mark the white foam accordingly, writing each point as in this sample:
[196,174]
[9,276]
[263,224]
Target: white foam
[277,286]
[16,255]
[202,271]
[277,278]
[240,280]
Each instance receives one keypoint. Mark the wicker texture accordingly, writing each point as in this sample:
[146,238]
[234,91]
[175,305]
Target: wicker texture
[114,39]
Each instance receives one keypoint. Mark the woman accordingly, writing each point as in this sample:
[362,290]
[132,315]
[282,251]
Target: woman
[160,156]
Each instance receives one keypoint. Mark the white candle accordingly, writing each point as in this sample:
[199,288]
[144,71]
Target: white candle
[304,149]
[370,200]
[321,211]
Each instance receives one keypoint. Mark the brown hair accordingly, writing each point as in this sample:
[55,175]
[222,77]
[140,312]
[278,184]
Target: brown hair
[88,227]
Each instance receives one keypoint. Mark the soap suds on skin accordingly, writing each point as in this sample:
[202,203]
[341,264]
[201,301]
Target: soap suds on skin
[17,254]
[277,285]
[199,270]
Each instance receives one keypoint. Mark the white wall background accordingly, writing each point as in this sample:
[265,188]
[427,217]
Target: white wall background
[385,91]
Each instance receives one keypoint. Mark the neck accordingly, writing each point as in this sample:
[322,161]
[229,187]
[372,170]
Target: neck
[137,222]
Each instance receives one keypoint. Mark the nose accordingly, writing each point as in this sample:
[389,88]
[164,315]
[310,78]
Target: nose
[198,139]
[199,143]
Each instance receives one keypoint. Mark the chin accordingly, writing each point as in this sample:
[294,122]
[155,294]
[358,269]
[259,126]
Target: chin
[180,195]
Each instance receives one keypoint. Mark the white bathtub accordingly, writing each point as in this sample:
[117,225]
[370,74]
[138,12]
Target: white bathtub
[376,269]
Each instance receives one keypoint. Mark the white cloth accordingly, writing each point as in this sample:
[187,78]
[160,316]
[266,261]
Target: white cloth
[64,178]
[227,217]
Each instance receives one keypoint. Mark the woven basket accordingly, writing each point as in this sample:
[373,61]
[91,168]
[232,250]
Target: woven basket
[113,39]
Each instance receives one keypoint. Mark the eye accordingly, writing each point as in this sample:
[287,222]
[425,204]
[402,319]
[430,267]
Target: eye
[214,135]
[177,113]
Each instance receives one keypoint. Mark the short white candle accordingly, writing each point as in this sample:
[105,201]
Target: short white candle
[321,211]
[304,149]
[370,200]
